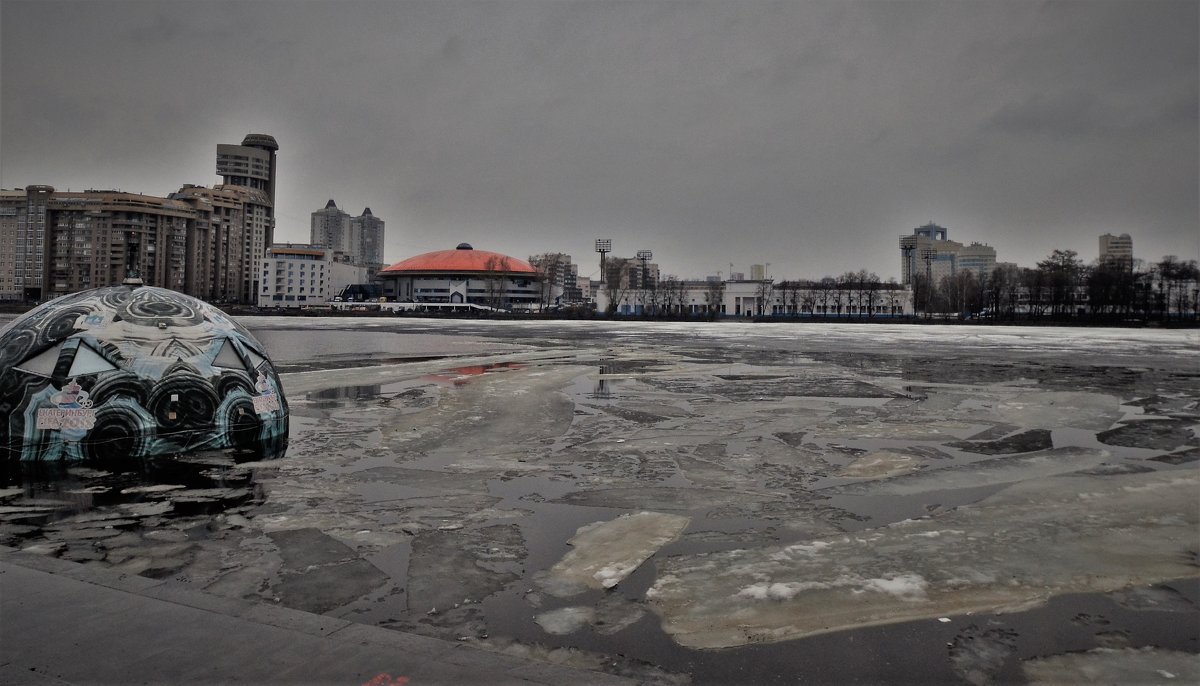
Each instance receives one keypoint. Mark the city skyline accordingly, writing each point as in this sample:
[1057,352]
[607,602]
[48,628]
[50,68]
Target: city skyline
[808,136]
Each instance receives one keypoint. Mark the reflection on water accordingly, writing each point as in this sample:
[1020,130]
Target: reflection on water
[331,397]
[458,376]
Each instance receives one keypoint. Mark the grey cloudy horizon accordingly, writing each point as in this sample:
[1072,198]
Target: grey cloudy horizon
[804,135]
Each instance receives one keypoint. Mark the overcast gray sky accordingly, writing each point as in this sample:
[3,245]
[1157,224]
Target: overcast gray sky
[808,135]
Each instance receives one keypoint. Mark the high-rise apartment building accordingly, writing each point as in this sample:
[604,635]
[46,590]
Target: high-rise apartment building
[53,243]
[359,239]
[366,231]
[208,242]
[329,227]
[1116,248]
[23,242]
[929,252]
[560,275]
[630,273]
[217,261]
[252,165]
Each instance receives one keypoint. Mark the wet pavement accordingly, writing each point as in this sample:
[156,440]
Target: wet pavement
[709,503]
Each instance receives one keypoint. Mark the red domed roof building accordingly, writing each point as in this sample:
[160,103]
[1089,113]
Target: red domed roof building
[463,275]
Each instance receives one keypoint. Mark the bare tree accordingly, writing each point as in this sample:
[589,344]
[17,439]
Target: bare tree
[762,294]
[808,299]
[870,291]
[496,268]
[826,290]
[714,297]
[616,282]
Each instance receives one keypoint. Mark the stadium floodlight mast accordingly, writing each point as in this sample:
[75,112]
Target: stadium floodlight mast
[929,255]
[603,246]
[907,245]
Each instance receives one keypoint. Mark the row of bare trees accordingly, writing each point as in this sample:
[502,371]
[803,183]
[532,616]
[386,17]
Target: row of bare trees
[853,294]
[1060,287]
[1063,287]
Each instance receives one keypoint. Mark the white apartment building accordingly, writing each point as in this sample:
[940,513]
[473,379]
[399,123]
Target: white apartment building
[295,275]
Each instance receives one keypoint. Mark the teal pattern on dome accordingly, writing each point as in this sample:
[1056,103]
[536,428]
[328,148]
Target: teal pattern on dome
[134,372]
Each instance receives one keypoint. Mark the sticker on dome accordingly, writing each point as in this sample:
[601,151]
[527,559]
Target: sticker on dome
[73,414]
[266,401]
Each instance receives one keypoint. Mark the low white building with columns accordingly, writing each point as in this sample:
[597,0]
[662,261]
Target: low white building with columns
[757,298]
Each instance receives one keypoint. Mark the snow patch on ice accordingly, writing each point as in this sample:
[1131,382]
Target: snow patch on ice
[565,620]
[805,549]
[908,587]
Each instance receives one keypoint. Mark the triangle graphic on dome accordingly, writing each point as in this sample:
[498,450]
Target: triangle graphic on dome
[175,348]
[256,360]
[43,363]
[227,357]
[88,361]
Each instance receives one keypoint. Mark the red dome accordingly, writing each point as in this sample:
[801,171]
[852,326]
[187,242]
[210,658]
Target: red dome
[464,259]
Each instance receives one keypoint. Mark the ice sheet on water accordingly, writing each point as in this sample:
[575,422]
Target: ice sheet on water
[993,471]
[604,553]
[1008,552]
[1055,409]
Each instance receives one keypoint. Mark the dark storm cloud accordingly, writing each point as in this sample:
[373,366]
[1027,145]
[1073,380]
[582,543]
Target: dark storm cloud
[808,135]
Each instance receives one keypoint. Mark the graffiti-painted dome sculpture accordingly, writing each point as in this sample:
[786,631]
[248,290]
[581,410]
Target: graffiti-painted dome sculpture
[135,371]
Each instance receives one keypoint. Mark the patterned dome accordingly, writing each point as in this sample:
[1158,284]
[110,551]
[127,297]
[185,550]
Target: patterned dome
[462,260]
[129,371]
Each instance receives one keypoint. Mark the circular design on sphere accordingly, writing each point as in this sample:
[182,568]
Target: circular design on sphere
[131,372]
[150,306]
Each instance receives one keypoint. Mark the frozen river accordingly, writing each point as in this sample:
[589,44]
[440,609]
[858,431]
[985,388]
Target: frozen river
[713,503]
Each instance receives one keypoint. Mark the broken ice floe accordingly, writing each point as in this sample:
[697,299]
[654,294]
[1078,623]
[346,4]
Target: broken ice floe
[988,472]
[565,620]
[1008,552]
[604,553]
[881,464]
[1116,666]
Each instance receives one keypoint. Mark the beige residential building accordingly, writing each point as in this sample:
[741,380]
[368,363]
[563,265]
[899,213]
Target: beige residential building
[216,258]
[979,258]
[98,238]
[1116,248]
[208,242]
